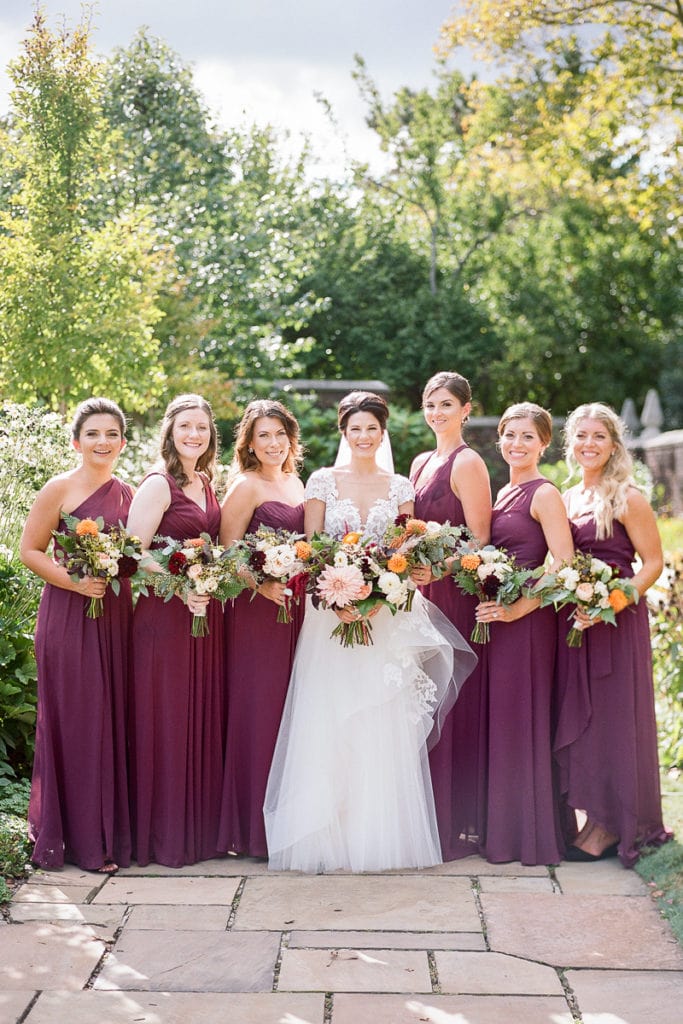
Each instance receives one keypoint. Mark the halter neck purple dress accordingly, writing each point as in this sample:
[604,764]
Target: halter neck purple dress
[522,807]
[178,711]
[78,810]
[606,736]
[258,663]
[458,761]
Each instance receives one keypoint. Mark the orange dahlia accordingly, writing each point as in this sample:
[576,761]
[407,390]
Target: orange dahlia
[416,527]
[618,599]
[397,563]
[351,538]
[303,550]
[193,542]
[87,528]
[470,562]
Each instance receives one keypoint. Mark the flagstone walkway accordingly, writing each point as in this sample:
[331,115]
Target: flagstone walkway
[227,942]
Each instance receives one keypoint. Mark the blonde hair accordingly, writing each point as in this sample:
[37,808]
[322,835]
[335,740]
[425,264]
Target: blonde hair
[540,418]
[611,493]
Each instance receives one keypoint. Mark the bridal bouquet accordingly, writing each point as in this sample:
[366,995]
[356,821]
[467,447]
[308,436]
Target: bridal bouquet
[491,575]
[359,572]
[592,586]
[274,555]
[88,549]
[426,543]
[195,565]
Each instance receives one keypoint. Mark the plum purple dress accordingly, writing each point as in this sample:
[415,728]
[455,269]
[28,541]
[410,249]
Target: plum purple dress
[78,811]
[606,736]
[522,807]
[458,761]
[178,711]
[259,655]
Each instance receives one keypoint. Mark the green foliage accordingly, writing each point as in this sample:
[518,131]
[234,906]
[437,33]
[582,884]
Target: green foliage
[14,796]
[19,595]
[15,849]
[666,620]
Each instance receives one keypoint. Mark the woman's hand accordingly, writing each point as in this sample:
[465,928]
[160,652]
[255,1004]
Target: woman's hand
[197,603]
[274,591]
[582,621]
[422,575]
[489,611]
[90,586]
[351,614]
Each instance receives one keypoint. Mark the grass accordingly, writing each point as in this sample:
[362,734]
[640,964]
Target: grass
[662,868]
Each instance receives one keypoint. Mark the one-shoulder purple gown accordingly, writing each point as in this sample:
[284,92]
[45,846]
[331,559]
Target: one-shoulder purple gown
[259,656]
[178,712]
[522,809]
[606,736]
[458,761]
[78,810]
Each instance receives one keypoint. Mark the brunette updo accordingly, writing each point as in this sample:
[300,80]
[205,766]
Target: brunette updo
[540,417]
[96,407]
[362,401]
[458,386]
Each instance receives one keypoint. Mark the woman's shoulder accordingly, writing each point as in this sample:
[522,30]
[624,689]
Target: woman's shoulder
[320,484]
[401,488]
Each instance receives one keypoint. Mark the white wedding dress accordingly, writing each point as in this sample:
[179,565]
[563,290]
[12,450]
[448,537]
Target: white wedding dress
[349,785]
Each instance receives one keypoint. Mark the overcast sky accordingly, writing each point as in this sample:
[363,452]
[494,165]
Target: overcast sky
[263,60]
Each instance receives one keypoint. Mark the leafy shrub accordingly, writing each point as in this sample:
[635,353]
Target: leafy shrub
[666,622]
[19,595]
[15,849]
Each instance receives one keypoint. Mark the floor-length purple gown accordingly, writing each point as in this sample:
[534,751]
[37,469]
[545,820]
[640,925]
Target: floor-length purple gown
[522,808]
[178,716]
[258,658]
[78,810]
[606,736]
[458,761]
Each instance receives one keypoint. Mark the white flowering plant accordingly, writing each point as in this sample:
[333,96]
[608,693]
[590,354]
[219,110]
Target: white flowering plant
[592,586]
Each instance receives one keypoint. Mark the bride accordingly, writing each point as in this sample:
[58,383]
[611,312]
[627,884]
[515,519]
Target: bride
[349,785]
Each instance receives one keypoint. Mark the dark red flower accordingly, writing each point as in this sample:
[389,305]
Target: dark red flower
[128,566]
[257,559]
[490,585]
[177,563]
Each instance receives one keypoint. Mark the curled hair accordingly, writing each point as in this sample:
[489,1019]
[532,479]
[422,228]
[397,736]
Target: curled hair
[458,386]
[540,417]
[362,401]
[206,463]
[96,407]
[611,492]
[260,408]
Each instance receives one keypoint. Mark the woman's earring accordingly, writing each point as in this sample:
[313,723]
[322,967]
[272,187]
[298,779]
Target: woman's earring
[250,450]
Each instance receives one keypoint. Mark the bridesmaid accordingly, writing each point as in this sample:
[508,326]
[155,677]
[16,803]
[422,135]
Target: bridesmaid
[606,741]
[78,810]
[452,484]
[529,520]
[266,491]
[178,716]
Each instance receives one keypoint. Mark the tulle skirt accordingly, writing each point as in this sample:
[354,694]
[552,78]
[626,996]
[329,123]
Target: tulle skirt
[349,786]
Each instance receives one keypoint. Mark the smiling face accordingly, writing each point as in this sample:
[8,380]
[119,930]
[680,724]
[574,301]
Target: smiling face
[270,441]
[100,440]
[520,443]
[443,412]
[364,433]
[592,444]
[191,434]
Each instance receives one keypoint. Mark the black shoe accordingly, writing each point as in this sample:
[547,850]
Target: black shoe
[575,853]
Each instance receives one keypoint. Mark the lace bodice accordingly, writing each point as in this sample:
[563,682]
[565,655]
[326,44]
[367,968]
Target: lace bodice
[342,515]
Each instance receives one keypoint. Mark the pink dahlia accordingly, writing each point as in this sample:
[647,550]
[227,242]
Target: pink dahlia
[340,585]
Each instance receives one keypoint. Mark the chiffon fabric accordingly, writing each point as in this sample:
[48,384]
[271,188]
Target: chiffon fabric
[458,761]
[258,661]
[78,810]
[349,785]
[522,803]
[178,711]
[606,737]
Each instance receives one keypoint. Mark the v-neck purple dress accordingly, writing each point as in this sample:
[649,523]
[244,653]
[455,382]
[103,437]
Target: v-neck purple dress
[606,735]
[78,810]
[458,761]
[522,819]
[178,711]
[258,663]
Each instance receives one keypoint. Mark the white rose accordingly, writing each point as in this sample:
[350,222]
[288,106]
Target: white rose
[598,567]
[194,571]
[280,561]
[584,591]
[210,585]
[601,590]
[569,578]
[340,560]
[489,554]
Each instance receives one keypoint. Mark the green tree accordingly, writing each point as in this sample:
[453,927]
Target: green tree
[77,289]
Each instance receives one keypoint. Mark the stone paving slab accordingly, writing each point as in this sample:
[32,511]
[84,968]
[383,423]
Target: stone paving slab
[165,917]
[495,974]
[220,867]
[581,931]
[514,883]
[176,1008]
[628,997]
[604,878]
[177,891]
[13,1004]
[103,917]
[68,875]
[33,892]
[353,970]
[362,902]
[439,1009]
[476,866]
[189,961]
[387,940]
[43,955]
